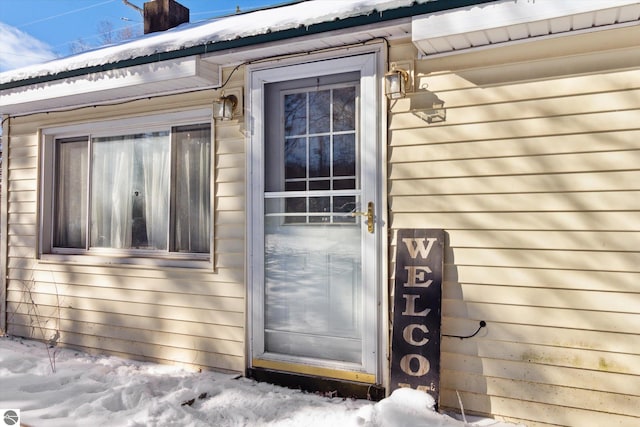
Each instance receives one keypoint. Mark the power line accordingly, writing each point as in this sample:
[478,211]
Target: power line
[66,13]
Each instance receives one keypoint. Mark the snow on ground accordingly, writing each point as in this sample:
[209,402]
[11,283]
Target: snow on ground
[88,390]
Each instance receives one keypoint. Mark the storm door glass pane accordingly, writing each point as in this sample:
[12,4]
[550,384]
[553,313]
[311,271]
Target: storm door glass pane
[193,182]
[313,279]
[71,193]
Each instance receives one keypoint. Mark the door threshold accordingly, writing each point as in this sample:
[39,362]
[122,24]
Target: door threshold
[329,387]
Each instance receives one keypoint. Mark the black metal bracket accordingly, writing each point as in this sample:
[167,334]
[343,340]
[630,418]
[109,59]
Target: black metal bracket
[482,325]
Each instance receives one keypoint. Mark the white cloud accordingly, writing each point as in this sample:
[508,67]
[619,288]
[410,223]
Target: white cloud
[19,49]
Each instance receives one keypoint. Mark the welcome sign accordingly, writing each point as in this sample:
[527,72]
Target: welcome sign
[415,345]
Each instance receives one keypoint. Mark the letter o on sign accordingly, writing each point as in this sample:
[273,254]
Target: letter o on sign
[423,365]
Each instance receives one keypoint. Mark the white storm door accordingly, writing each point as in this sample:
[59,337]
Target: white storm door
[314,245]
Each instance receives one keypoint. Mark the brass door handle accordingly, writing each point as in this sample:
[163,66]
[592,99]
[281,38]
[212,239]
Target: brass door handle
[370,216]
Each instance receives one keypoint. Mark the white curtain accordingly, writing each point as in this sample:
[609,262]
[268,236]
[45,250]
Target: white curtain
[111,192]
[155,176]
[193,171]
[71,198]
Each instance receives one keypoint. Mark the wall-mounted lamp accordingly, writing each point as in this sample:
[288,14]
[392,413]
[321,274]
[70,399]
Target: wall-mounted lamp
[395,82]
[224,107]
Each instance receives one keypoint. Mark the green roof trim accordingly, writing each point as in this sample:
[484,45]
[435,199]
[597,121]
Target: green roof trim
[212,47]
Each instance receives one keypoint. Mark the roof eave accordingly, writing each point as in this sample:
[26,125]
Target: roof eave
[212,47]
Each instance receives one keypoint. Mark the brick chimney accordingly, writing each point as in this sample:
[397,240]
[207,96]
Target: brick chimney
[161,15]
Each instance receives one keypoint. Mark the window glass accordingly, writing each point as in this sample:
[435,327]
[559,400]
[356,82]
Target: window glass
[129,191]
[193,197]
[148,191]
[70,211]
[319,141]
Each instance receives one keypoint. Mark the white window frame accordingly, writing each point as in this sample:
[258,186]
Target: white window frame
[129,125]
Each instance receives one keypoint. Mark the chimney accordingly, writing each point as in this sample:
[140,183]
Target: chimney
[161,15]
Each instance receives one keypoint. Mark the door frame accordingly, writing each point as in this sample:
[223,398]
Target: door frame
[369,61]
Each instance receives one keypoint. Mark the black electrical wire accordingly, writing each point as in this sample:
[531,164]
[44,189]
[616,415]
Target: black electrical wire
[481,325]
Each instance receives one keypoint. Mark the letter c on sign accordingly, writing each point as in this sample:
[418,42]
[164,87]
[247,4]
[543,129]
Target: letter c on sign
[407,334]
[423,365]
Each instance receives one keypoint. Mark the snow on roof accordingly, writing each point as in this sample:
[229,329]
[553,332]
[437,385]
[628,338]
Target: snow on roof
[259,22]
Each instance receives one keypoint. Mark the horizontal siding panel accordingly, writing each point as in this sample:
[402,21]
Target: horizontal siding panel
[528,239]
[228,131]
[231,145]
[530,202]
[542,393]
[546,355]
[147,352]
[588,280]
[230,161]
[230,175]
[22,167]
[537,185]
[136,334]
[102,278]
[584,221]
[516,146]
[24,137]
[456,84]
[22,252]
[231,203]
[227,217]
[544,374]
[230,260]
[23,196]
[570,337]
[174,299]
[194,328]
[127,309]
[22,230]
[404,129]
[551,259]
[540,297]
[230,189]
[527,108]
[223,282]
[565,318]
[531,183]
[547,164]
[28,184]
[229,246]
[534,414]
[22,240]
[48,305]
[21,207]
[18,151]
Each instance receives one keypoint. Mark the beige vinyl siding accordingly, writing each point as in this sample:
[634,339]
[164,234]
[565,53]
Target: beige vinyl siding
[535,177]
[191,316]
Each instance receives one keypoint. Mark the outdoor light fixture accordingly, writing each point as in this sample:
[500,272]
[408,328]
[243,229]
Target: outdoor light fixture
[395,82]
[224,107]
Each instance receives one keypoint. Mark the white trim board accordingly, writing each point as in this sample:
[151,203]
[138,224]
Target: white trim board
[508,21]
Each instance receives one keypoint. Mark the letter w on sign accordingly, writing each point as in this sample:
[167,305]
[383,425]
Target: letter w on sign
[415,345]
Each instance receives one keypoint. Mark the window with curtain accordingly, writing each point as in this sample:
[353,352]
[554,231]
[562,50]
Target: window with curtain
[139,191]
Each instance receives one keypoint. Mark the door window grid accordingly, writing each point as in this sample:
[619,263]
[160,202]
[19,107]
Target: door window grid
[320,154]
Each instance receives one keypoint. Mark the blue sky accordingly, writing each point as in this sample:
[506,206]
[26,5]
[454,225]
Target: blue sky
[33,31]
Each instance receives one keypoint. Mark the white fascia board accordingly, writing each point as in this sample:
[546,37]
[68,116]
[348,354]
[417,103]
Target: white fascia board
[112,85]
[502,14]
